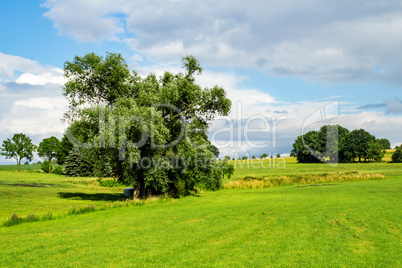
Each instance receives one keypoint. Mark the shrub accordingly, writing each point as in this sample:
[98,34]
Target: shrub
[397,155]
[58,170]
[45,167]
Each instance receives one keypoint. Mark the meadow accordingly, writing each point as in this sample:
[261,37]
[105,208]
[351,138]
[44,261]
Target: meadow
[338,224]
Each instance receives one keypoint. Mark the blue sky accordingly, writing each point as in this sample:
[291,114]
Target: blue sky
[276,59]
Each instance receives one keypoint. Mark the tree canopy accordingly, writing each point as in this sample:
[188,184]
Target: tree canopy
[397,155]
[151,131]
[384,143]
[48,149]
[334,143]
[19,147]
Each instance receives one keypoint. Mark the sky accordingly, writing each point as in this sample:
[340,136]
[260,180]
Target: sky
[288,66]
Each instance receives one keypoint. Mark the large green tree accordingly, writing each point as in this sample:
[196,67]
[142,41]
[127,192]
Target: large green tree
[19,147]
[152,131]
[48,149]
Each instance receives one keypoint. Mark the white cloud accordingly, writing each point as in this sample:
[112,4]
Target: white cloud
[53,76]
[331,41]
[394,106]
[32,103]
[9,64]
[87,21]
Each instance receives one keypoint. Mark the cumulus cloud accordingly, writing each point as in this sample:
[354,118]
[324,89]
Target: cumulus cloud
[9,64]
[32,103]
[330,41]
[54,76]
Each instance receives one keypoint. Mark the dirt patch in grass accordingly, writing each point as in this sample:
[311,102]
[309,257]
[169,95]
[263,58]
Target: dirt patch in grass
[30,184]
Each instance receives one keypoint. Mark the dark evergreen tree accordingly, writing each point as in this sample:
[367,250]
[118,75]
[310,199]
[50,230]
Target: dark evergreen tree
[64,149]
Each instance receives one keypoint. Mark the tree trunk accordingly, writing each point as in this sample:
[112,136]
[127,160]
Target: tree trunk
[50,164]
[141,193]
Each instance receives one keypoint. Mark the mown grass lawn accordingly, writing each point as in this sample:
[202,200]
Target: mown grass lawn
[342,225]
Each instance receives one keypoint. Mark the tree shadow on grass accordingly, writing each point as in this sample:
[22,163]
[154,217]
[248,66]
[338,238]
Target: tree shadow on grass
[92,197]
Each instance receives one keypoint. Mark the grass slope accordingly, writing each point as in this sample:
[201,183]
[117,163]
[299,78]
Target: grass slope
[342,225]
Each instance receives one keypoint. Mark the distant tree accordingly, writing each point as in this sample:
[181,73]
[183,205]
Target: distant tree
[397,155]
[374,152]
[227,158]
[253,157]
[264,155]
[244,157]
[64,149]
[278,156]
[19,147]
[48,149]
[384,143]
[26,163]
[271,156]
[233,158]
[305,148]
[239,158]
[358,144]
[334,143]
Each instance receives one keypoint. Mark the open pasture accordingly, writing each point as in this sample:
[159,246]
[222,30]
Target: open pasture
[328,224]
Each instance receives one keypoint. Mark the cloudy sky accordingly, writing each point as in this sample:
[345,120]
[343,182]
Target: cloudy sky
[288,66]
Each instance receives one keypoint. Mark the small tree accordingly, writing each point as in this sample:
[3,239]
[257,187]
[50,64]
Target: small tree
[244,157]
[264,155]
[397,155]
[227,158]
[19,147]
[48,149]
[253,157]
[278,156]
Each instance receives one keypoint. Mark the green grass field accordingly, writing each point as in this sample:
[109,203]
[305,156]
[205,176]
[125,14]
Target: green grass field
[346,224]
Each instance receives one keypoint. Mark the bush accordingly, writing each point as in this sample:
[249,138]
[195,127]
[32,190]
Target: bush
[45,167]
[58,170]
[397,156]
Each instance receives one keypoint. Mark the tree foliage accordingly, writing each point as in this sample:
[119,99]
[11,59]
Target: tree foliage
[397,155]
[48,149]
[151,131]
[384,143]
[19,147]
[334,143]
[64,149]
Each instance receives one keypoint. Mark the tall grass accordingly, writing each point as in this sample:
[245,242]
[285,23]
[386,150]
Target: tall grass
[263,182]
